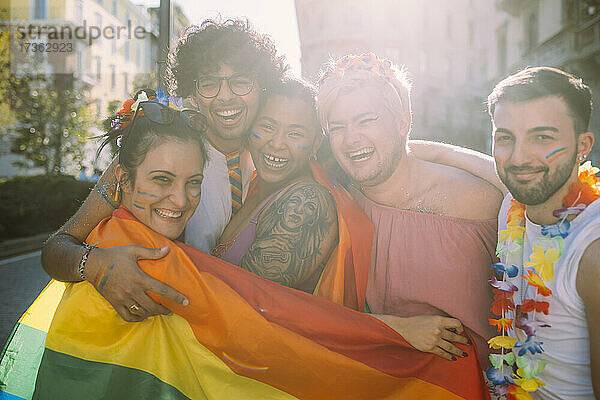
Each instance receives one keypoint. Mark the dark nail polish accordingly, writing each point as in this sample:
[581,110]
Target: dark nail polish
[465,354]
[453,358]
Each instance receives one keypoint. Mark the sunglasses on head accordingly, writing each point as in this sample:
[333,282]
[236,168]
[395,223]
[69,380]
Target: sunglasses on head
[164,115]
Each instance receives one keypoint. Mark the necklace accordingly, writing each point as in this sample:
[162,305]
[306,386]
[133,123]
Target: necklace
[515,369]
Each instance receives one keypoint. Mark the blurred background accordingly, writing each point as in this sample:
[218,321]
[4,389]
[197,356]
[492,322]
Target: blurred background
[65,65]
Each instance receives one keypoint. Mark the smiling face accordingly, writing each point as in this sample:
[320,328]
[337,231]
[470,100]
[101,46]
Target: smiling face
[364,136]
[229,115]
[283,139]
[535,147]
[166,188]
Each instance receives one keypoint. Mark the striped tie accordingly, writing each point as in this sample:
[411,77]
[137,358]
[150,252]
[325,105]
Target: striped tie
[235,180]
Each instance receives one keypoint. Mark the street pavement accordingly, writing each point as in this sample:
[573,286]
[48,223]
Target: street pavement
[22,278]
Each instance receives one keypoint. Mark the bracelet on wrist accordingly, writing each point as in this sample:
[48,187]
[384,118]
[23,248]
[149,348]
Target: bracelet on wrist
[81,266]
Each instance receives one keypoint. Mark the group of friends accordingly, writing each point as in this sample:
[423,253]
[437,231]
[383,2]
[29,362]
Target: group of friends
[250,168]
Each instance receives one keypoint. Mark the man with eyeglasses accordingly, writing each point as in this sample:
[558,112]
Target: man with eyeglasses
[221,69]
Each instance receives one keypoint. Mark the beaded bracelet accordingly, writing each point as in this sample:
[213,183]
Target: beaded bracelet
[84,258]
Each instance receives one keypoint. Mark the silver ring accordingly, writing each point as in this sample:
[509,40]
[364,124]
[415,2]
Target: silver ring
[134,309]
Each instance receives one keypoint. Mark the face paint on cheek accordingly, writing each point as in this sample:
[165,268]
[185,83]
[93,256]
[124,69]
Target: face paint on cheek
[307,147]
[147,194]
[139,207]
[195,196]
[256,135]
[556,153]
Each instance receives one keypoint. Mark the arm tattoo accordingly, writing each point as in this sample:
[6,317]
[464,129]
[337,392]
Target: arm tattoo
[294,235]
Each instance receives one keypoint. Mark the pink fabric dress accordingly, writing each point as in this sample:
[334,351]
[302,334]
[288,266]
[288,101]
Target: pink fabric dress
[431,264]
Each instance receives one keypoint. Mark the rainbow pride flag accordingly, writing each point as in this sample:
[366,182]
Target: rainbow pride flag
[241,337]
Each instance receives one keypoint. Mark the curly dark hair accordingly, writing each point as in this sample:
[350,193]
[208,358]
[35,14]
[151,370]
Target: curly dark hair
[233,42]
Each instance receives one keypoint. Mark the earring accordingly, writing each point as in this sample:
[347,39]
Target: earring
[117,193]
[582,157]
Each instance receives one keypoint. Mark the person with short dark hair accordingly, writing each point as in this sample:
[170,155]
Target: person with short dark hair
[549,234]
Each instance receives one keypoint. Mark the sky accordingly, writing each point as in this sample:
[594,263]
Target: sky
[277,18]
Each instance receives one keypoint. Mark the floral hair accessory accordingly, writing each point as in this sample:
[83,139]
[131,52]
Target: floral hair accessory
[125,115]
[365,62]
[176,103]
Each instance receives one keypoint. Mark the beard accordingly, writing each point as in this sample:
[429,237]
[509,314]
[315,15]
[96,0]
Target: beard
[383,170]
[549,184]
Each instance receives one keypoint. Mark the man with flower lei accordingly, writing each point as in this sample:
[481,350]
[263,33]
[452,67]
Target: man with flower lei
[546,293]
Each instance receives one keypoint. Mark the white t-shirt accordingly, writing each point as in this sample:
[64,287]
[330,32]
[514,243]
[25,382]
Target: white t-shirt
[214,210]
[566,343]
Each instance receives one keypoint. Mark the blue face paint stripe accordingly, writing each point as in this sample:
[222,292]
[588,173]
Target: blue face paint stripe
[195,196]
[138,206]
[256,135]
[147,194]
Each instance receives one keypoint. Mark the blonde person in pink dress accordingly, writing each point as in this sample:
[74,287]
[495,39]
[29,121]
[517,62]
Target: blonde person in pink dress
[435,225]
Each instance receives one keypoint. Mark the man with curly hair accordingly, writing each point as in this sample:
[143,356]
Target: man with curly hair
[220,68]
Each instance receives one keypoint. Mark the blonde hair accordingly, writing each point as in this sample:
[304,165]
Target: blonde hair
[351,72]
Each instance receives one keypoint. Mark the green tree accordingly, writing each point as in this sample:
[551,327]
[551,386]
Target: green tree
[53,118]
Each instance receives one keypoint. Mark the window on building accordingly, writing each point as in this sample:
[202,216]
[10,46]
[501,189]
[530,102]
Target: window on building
[125,84]
[113,77]
[531,30]
[114,7]
[502,49]
[98,69]
[138,54]
[40,10]
[99,108]
[448,25]
[423,61]
[126,50]
[113,44]
[79,61]
[99,25]
[79,11]
[471,33]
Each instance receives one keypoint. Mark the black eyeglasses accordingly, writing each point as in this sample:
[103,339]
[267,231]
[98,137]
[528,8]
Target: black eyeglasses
[210,86]
[164,115]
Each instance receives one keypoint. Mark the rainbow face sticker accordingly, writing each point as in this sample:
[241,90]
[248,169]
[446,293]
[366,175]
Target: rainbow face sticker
[138,206]
[556,153]
[256,135]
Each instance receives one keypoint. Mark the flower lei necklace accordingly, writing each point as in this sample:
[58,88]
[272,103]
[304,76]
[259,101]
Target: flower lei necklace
[547,250]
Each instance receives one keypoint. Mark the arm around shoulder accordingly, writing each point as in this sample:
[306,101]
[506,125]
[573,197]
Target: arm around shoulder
[63,251]
[588,276]
[478,164]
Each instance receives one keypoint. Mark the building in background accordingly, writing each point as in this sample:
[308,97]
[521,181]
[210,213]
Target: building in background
[456,51]
[113,65]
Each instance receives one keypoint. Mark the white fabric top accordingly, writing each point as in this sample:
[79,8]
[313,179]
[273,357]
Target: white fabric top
[566,343]
[214,211]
